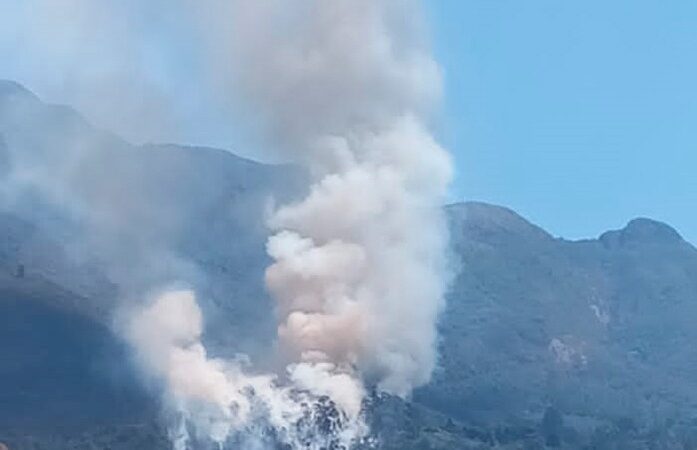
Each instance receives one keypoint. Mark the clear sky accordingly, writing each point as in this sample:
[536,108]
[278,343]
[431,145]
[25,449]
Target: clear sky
[580,115]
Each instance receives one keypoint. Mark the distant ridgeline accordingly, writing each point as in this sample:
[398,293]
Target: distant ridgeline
[544,341]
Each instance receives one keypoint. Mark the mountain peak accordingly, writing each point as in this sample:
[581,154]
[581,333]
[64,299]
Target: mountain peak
[487,218]
[642,231]
[643,227]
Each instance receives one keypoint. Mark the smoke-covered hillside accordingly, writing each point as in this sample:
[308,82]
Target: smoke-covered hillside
[543,341]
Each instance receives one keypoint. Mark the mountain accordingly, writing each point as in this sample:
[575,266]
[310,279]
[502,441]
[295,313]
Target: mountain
[544,341]
[108,218]
[598,329]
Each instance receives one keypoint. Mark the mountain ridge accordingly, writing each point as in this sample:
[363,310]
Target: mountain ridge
[594,335]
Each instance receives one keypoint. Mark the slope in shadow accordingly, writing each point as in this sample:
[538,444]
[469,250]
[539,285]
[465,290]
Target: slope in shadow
[61,369]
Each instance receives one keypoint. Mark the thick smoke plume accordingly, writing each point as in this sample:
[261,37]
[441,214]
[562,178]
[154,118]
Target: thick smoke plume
[344,88]
[216,401]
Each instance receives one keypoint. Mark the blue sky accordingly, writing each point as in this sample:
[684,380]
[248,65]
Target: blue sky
[580,115]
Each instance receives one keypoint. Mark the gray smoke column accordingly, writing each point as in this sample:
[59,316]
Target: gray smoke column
[344,88]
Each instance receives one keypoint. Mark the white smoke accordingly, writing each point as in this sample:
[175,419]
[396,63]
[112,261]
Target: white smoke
[217,401]
[359,274]
[343,87]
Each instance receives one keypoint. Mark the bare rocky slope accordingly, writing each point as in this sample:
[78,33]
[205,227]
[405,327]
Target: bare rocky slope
[544,343]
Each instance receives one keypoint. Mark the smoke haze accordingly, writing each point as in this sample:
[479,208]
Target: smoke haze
[344,89]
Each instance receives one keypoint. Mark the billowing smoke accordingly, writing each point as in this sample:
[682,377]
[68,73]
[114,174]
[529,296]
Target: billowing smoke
[345,89]
[221,401]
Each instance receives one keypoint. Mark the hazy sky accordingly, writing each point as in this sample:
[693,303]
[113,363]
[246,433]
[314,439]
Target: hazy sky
[580,115]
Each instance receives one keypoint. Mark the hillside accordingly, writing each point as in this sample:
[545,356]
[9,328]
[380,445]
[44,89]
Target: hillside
[582,344]
[598,329]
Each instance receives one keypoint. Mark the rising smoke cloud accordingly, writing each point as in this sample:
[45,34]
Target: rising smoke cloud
[222,401]
[345,89]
